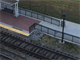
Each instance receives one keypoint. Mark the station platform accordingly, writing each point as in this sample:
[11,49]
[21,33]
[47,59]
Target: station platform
[8,27]
[8,21]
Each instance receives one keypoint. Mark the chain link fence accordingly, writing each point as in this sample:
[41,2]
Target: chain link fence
[72,14]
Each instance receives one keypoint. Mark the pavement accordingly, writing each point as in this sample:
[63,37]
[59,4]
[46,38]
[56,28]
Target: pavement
[70,28]
[21,22]
[24,22]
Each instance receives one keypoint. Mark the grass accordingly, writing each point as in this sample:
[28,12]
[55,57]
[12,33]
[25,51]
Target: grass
[49,37]
[53,43]
[55,8]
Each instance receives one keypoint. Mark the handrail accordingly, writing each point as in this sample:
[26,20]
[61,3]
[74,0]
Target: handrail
[37,15]
[34,26]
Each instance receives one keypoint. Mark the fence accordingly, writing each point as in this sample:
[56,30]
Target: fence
[71,9]
[36,15]
[47,30]
[55,33]
[42,17]
[52,11]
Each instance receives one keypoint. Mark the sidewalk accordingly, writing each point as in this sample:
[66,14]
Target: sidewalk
[70,28]
[24,22]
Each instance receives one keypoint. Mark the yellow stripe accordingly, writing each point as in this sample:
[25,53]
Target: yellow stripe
[15,30]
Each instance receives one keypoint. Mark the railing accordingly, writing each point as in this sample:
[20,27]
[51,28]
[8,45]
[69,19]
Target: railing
[39,16]
[36,15]
[53,10]
[55,33]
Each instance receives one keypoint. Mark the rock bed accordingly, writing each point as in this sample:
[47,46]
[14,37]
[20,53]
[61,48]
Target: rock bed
[12,49]
[35,35]
[17,52]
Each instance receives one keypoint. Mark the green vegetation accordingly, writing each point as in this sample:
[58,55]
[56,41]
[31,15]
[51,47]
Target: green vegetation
[49,37]
[54,43]
[55,8]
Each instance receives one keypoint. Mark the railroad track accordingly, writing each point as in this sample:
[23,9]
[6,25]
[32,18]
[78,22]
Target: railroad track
[14,53]
[10,55]
[33,49]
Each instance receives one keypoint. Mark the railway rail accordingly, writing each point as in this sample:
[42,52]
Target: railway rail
[10,55]
[33,49]
[4,57]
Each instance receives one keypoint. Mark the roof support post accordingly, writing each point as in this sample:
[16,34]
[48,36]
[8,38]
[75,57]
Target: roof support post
[0,5]
[16,10]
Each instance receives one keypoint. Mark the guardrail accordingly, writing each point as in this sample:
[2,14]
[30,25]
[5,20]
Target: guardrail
[55,33]
[39,16]
[36,15]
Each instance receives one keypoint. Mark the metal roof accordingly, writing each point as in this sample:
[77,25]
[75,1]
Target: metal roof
[8,2]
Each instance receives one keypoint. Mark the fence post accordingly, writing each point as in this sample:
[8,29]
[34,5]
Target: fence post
[61,12]
[41,28]
[30,4]
[45,9]
[72,38]
[48,30]
[34,25]
[31,14]
[25,12]
[37,16]
[51,20]
[79,18]
[43,17]
[54,33]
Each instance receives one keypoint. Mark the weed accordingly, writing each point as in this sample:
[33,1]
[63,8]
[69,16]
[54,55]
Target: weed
[51,41]
[69,5]
[46,41]
[38,5]
[49,37]
[44,35]
[56,40]
[33,5]
[41,38]
[56,12]
[70,45]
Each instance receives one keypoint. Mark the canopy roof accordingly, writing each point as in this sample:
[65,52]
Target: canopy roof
[8,2]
